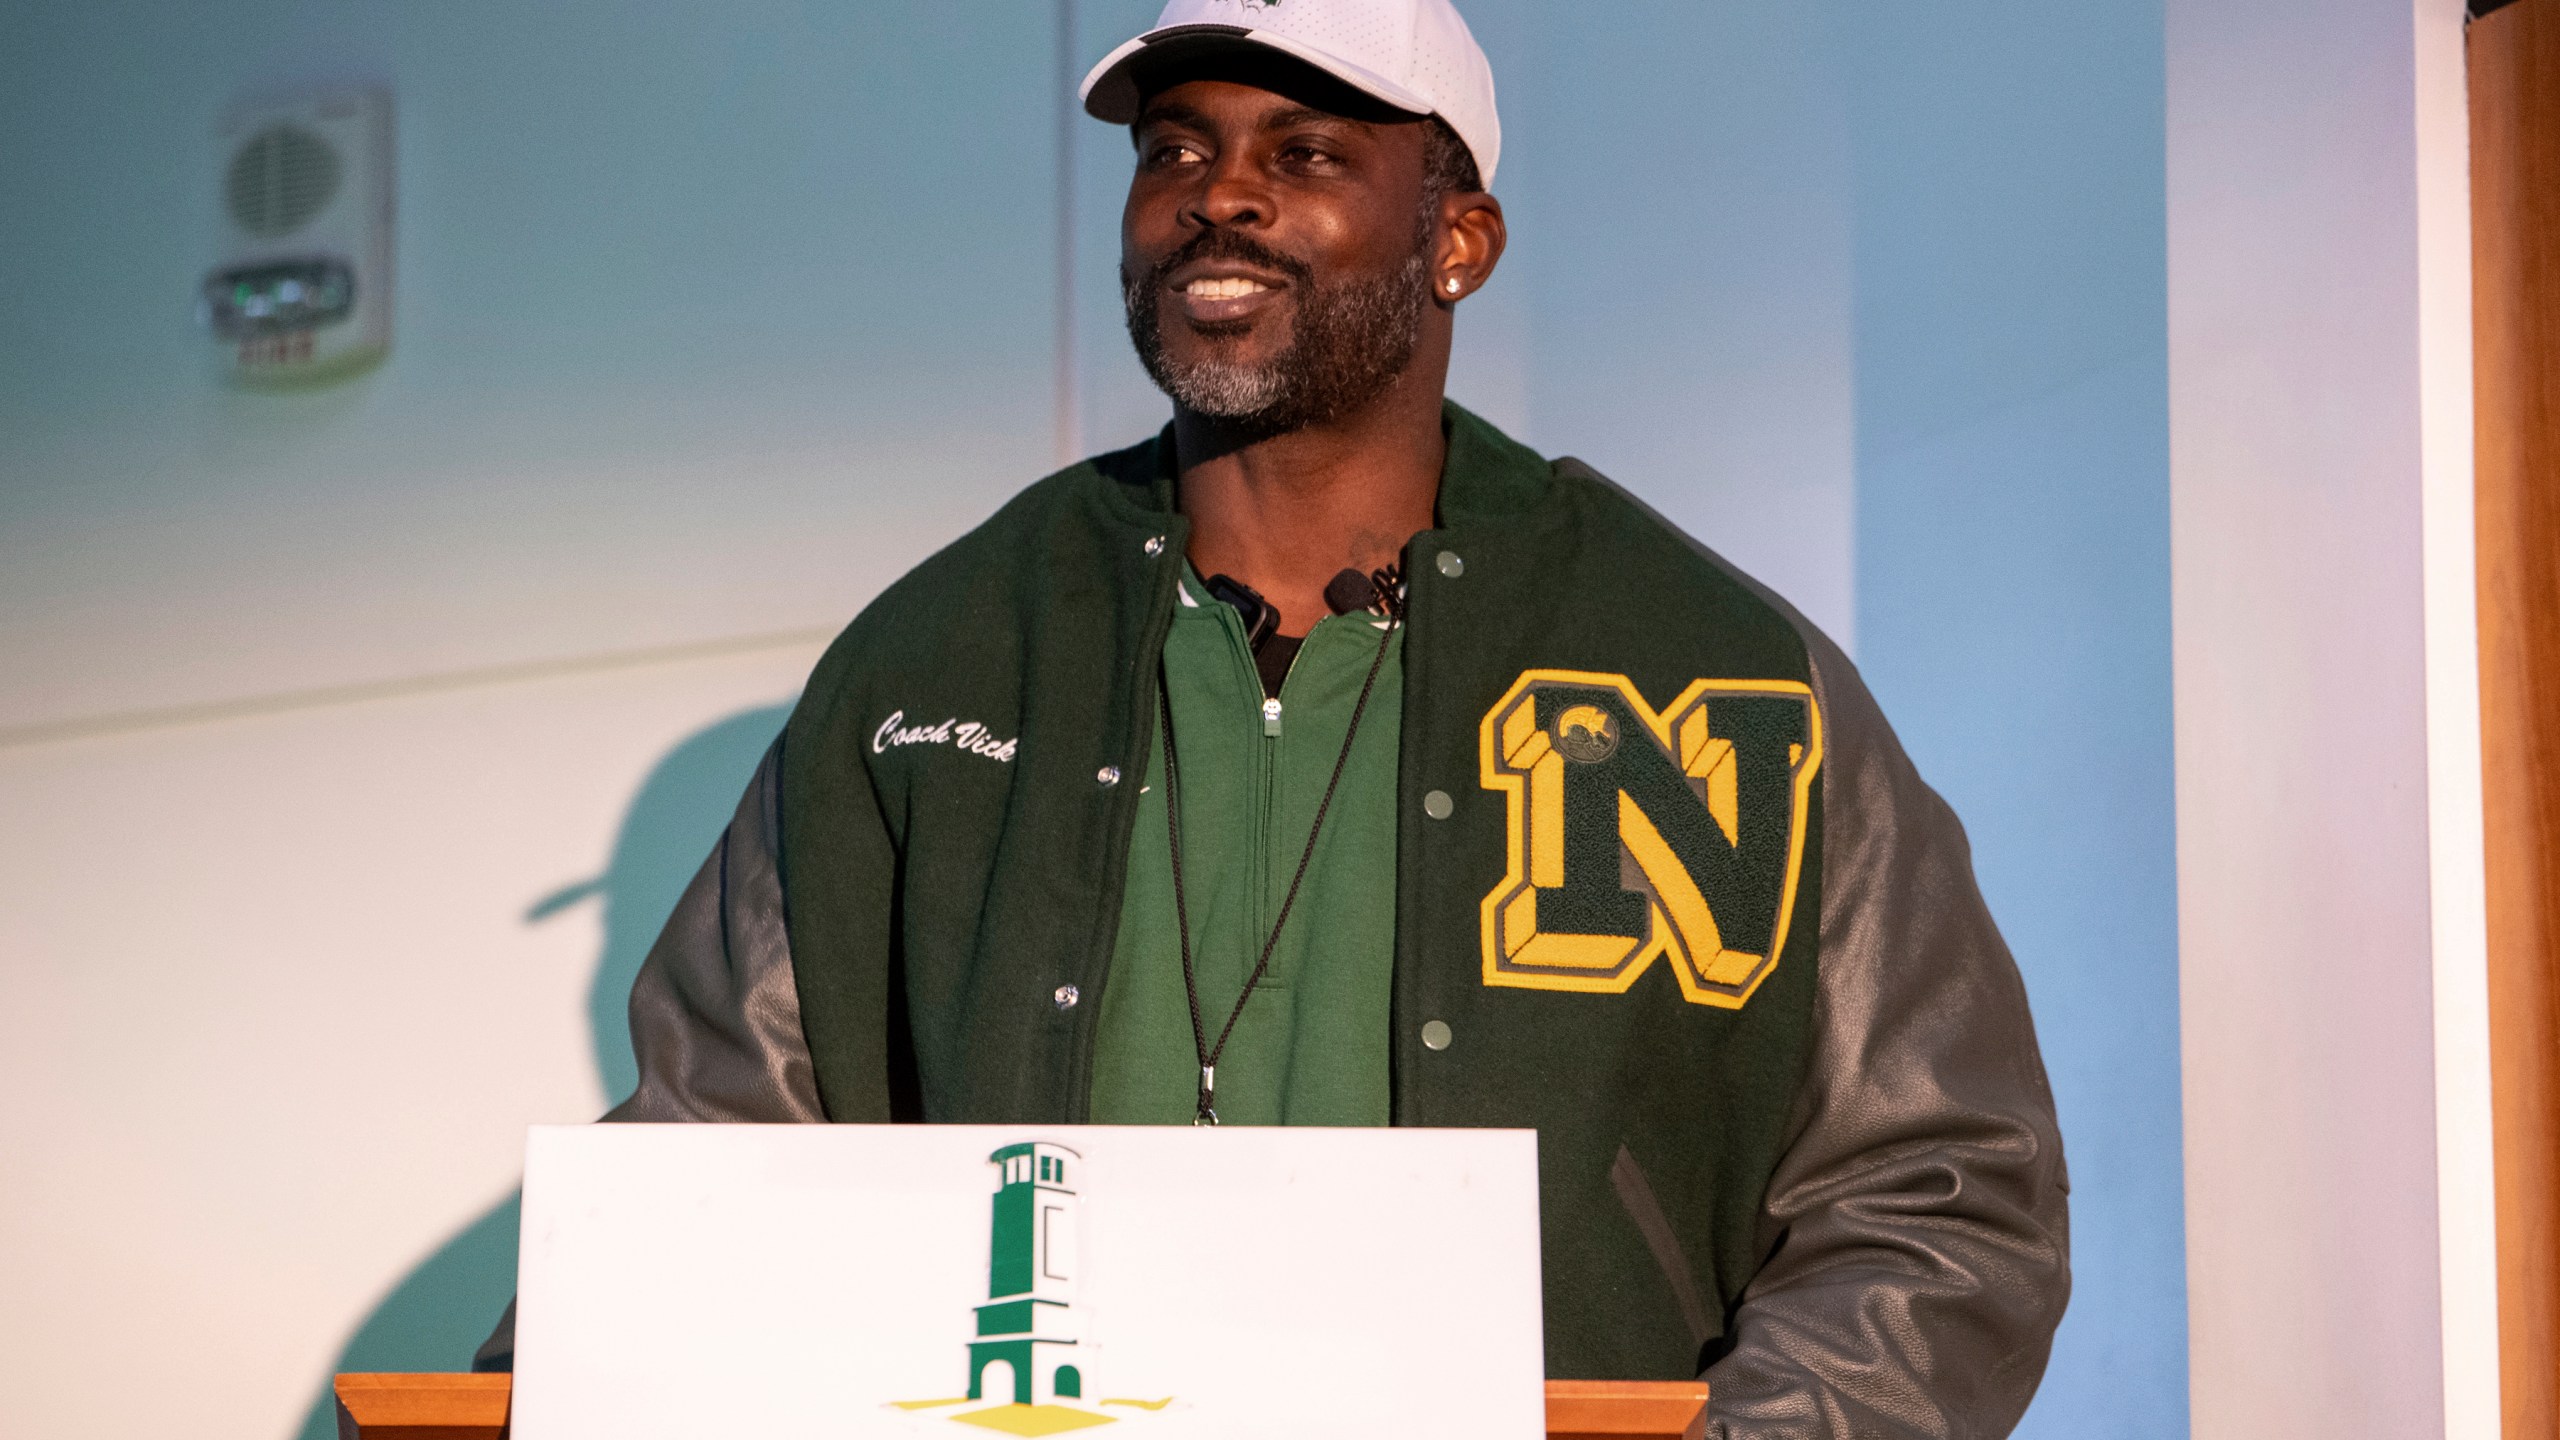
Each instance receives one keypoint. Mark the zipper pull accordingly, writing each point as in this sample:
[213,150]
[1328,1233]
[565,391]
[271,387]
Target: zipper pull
[1270,719]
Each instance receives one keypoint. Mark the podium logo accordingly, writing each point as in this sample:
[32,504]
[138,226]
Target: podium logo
[1028,1363]
[1638,834]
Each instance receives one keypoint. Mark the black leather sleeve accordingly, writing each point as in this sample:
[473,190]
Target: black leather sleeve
[715,1012]
[1916,1227]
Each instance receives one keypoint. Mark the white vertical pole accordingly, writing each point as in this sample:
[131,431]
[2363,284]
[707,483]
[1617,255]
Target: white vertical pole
[2466,1188]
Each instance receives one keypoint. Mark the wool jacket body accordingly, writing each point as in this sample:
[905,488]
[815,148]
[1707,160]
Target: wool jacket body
[1668,891]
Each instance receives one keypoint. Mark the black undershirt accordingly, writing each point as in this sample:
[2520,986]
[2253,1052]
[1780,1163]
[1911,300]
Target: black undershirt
[1272,658]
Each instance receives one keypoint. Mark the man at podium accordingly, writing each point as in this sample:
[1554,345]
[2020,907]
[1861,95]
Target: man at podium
[1330,758]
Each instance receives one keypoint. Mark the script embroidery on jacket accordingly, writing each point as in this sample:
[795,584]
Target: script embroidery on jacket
[969,736]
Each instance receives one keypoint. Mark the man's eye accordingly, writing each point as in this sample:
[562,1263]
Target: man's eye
[1307,155]
[1172,154]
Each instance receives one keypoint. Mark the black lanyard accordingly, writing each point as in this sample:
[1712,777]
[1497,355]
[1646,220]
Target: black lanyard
[1207,1053]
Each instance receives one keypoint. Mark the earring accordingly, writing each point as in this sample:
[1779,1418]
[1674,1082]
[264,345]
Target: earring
[1453,284]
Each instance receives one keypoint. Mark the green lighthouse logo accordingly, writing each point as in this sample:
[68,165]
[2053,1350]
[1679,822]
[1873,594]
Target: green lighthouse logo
[1027,1362]
[1027,1330]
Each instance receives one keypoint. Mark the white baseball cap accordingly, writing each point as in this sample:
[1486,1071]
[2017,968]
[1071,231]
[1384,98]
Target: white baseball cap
[1416,55]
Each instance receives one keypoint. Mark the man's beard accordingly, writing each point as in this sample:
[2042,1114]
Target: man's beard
[1347,342]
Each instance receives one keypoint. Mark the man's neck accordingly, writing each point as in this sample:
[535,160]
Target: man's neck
[1286,513]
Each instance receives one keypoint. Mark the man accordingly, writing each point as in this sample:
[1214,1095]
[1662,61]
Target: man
[1332,759]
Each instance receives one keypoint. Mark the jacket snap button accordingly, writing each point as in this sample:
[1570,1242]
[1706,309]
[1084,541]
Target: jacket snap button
[1155,545]
[1451,565]
[1435,1034]
[1067,996]
[1438,805]
[1108,776]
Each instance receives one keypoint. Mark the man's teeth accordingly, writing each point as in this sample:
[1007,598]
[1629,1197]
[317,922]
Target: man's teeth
[1235,289]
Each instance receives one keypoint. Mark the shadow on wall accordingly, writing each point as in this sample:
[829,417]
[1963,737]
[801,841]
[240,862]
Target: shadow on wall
[440,1312]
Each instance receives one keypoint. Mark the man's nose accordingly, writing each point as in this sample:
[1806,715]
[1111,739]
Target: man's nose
[1232,194]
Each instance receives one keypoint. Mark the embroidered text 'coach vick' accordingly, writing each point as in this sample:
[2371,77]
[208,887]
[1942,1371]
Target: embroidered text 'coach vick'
[970,736]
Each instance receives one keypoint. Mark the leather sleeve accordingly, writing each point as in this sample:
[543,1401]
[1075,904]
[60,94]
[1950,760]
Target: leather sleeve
[1916,1226]
[715,1012]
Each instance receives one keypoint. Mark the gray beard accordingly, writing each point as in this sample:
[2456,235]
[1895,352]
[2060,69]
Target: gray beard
[1349,343]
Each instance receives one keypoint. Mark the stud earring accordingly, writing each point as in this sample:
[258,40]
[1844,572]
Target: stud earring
[1453,284]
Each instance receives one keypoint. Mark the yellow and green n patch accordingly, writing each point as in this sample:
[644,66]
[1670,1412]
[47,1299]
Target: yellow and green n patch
[1635,833]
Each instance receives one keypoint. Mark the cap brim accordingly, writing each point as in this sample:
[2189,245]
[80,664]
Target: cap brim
[1110,90]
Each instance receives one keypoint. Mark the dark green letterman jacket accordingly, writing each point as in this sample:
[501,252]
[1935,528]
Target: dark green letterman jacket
[1668,892]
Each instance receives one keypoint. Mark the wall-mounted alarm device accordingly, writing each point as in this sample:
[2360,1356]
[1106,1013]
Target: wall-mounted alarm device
[300,286]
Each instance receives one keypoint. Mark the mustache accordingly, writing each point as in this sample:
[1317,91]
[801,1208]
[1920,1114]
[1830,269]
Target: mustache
[1229,245]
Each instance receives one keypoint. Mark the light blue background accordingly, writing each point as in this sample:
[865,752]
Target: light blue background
[712,319]
[2013,585]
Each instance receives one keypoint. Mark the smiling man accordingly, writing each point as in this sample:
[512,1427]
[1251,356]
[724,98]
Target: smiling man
[1332,759]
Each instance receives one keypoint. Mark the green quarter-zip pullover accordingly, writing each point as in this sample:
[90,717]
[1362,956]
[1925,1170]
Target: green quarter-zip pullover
[1310,1047]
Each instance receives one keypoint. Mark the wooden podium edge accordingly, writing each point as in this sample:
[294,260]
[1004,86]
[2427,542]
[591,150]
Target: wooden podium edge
[1626,1409]
[474,1407]
[423,1407]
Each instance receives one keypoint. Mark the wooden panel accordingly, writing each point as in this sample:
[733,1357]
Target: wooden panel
[1620,1409]
[423,1407]
[474,1407]
[2515,200]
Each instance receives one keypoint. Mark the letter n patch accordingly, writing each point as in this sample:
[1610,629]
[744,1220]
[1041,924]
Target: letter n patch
[1636,834]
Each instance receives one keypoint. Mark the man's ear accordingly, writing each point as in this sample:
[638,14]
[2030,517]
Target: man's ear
[1471,239]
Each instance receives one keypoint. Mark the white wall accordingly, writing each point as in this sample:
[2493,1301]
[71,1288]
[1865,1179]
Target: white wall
[2336,1205]
[709,324]
[704,326]
[278,1014]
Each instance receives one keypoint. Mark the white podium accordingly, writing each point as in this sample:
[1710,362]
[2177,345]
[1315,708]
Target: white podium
[1161,1283]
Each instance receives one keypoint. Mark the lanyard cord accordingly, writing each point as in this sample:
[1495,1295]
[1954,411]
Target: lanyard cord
[1207,1053]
